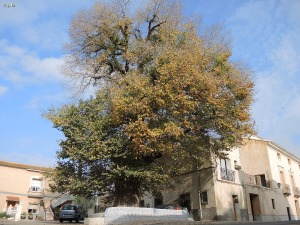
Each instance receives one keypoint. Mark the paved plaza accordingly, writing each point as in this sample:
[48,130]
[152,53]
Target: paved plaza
[34,222]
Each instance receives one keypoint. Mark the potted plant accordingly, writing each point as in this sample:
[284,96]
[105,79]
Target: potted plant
[23,215]
[30,216]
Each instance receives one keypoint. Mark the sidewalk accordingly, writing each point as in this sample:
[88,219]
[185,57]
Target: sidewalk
[28,222]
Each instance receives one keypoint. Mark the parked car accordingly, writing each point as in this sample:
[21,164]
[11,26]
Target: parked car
[72,212]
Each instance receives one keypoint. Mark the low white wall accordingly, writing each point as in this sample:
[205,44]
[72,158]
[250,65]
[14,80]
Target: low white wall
[122,215]
[94,221]
[137,216]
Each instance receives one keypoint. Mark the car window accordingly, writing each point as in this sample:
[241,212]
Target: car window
[69,207]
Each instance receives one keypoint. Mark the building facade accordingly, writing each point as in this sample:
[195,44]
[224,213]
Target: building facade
[258,181]
[25,185]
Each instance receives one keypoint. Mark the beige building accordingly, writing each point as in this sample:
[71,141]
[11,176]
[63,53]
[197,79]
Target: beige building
[25,185]
[257,182]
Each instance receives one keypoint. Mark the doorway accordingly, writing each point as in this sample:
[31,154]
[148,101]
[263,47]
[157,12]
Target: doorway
[255,207]
[234,202]
[288,212]
[185,201]
[158,200]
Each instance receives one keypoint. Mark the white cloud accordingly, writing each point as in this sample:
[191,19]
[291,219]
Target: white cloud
[41,24]
[45,69]
[266,35]
[3,90]
[22,13]
[22,67]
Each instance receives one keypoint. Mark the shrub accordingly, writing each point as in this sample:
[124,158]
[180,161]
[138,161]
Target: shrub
[3,215]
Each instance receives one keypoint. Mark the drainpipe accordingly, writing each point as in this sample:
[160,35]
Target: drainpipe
[199,190]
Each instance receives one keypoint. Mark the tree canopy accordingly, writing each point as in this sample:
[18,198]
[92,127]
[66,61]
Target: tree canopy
[168,94]
[95,157]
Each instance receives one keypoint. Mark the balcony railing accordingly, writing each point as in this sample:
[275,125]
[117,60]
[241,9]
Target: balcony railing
[227,174]
[286,189]
[35,189]
[249,179]
[265,183]
[297,192]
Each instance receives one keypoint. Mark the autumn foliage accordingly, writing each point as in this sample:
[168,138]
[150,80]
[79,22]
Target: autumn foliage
[169,94]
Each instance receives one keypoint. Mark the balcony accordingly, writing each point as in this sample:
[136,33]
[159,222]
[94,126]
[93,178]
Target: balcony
[261,180]
[35,191]
[297,192]
[286,189]
[227,174]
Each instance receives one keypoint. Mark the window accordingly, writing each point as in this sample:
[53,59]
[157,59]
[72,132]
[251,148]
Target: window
[289,161]
[69,207]
[32,208]
[225,164]
[235,199]
[278,156]
[273,203]
[263,181]
[36,185]
[282,178]
[204,197]
[292,182]
[226,172]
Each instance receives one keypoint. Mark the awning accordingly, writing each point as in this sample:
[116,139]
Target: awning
[12,198]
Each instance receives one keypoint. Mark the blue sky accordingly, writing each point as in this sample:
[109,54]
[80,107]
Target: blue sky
[265,36]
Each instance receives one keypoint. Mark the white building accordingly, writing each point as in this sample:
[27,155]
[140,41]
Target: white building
[257,182]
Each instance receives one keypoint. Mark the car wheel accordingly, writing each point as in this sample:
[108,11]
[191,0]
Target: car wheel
[60,220]
[70,221]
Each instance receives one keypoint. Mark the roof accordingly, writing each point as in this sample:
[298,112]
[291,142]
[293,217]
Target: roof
[23,166]
[283,150]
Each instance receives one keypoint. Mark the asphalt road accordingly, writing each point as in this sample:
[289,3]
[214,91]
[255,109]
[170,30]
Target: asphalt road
[295,222]
[34,222]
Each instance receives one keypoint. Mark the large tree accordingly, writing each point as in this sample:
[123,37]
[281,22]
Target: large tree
[95,157]
[174,95]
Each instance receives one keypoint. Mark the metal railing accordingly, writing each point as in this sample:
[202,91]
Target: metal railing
[35,189]
[296,191]
[61,199]
[264,183]
[286,189]
[227,174]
